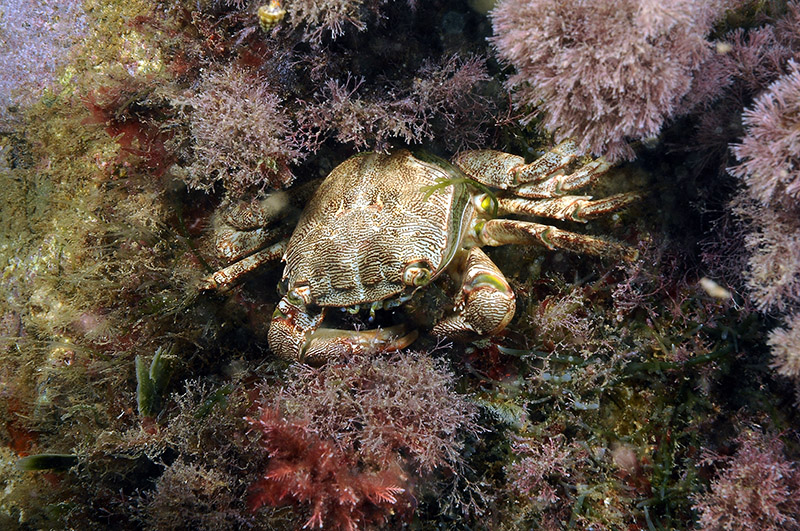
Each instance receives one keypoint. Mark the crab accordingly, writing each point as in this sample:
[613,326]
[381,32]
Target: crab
[382,226]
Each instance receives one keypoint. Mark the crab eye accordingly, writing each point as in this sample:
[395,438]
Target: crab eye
[478,227]
[283,286]
[416,274]
[298,296]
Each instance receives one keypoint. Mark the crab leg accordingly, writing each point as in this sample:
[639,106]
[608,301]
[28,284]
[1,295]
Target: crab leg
[254,214]
[225,278]
[560,184]
[485,303]
[233,244]
[505,231]
[244,228]
[568,207]
[503,170]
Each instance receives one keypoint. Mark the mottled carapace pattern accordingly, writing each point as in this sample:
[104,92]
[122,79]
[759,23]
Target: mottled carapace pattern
[370,219]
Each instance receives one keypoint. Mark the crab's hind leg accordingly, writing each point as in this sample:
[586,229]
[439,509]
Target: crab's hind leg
[567,207]
[244,230]
[227,277]
[485,304]
[245,227]
[504,170]
[507,231]
[561,183]
[242,234]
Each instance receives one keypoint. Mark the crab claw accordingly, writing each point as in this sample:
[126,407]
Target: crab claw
[330,342]
[294,333]
[485,304]
[291,324]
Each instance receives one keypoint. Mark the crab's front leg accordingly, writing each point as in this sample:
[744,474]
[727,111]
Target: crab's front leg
[295,333]
[485,304]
